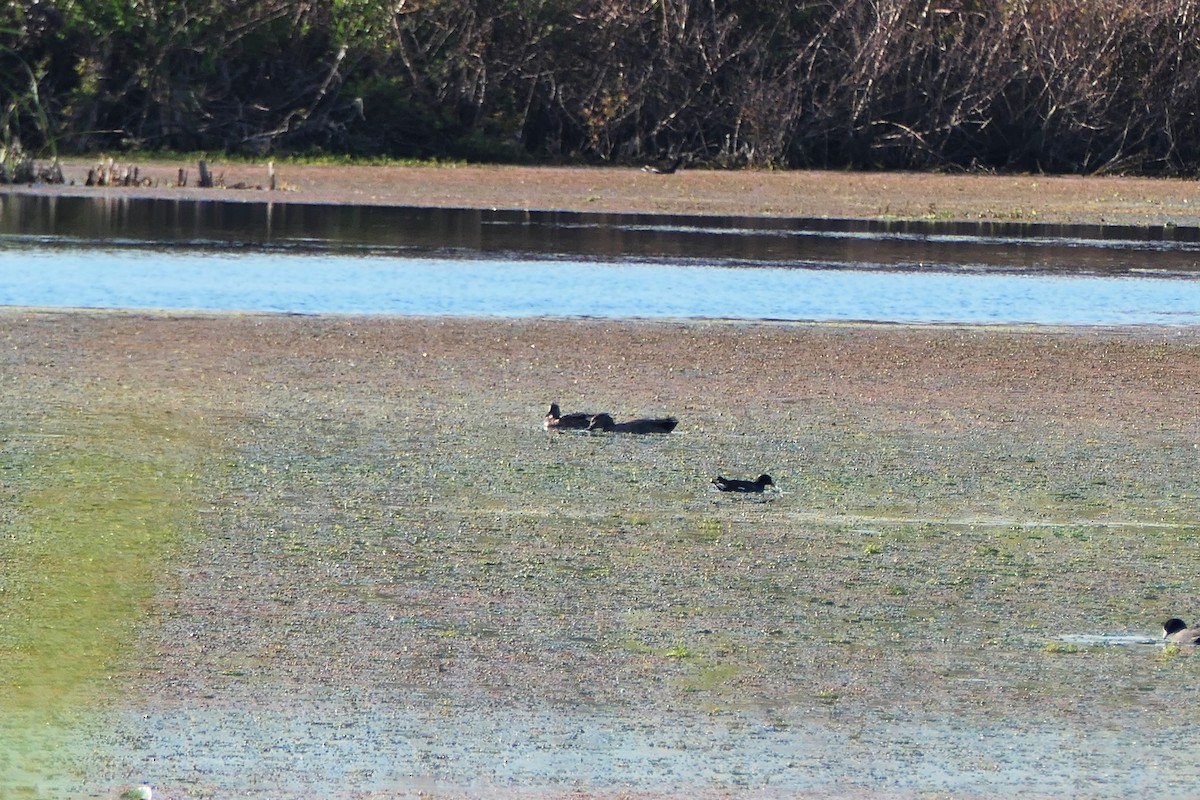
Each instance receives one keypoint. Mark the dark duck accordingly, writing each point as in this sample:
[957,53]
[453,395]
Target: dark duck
[605,422]
[756,486]
[557,421]
[1176,631]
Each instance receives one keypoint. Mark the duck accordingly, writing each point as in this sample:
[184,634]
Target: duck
[556,421]
[605,422]
[1176,631]
[756,486]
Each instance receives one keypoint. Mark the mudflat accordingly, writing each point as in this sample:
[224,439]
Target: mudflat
[802,193]
[340,556]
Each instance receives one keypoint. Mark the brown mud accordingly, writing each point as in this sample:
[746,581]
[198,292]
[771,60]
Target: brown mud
[998,198]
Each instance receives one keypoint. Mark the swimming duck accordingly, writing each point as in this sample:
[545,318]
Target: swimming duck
[756,486]
[556,421]
[605,422]
[1176,631]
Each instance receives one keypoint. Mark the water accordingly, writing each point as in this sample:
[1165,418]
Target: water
[1110,639]
[164,254]
[328,283]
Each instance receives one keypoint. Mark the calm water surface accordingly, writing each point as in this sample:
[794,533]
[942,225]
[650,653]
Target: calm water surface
[293,282]
[168,254]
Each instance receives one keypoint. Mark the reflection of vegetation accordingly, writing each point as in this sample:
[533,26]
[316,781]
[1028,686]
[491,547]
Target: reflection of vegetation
[1056,85]
[91,524]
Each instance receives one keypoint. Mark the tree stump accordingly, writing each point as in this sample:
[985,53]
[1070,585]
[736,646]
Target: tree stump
[206,178]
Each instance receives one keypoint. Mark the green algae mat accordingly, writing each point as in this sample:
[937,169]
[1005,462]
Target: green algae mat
[95,503]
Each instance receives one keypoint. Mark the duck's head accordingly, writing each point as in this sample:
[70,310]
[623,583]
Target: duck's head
[1174,625]
[766,480]
[553,412]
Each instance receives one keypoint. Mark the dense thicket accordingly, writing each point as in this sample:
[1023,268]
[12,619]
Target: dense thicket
[1055,85]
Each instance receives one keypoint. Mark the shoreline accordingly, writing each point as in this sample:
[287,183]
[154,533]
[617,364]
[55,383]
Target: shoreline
[632,191]
[799,327]
[1066,200]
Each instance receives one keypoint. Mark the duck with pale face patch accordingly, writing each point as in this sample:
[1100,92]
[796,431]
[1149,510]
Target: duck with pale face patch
[1176,631]
[557,421]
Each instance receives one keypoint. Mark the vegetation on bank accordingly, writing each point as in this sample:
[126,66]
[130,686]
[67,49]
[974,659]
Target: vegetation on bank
[1055,85]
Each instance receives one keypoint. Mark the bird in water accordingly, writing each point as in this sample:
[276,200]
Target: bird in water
[1176,631]
[756,486]
[557,421]
[605,422]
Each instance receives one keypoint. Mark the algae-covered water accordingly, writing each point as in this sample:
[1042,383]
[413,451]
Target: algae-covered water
[96,500]
[292,557]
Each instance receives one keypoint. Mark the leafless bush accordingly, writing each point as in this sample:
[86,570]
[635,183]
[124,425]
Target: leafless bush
[1057,85]
[1063,85]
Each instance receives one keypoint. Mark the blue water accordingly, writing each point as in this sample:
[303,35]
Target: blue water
[314,283]
[121,252]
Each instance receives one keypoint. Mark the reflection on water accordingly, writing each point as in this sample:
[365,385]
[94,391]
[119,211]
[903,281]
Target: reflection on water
[785,242]
[124,252]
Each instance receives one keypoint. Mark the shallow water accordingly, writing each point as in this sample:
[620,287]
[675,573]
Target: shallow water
[405,750]
[160,254]
[331,283]
[1108,639]
[903,244]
